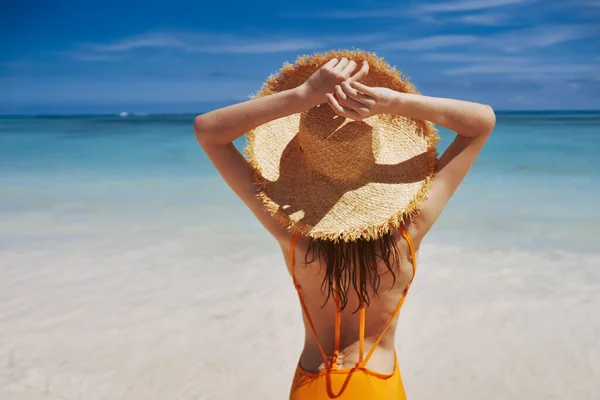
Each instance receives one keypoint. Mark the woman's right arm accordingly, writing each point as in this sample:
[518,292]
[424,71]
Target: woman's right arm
[473,124]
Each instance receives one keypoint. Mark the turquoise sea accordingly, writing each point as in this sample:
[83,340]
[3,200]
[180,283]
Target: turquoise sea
[536,185]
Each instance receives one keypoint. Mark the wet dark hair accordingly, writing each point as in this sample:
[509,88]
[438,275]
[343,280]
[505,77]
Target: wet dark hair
[354,264]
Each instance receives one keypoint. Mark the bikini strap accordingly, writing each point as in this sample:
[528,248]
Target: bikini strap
[400,303]
[362,361]
[361,348]
[361,336]
[338,320]
[305,308]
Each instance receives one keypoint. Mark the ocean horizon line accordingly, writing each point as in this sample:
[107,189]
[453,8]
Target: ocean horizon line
[125,114]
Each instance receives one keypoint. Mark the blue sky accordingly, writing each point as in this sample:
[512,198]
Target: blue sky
[85,57]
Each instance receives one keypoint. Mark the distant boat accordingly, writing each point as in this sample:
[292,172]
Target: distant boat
[124,114]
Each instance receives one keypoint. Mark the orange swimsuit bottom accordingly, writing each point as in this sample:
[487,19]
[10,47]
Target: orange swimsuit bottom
[348,383]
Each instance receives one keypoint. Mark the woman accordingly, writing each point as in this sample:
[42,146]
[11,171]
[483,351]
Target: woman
[351,190]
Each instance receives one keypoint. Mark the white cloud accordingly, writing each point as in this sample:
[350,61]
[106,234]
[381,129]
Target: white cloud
[591,3]
[394,12]
[543,36]
[354,14]
[369,37]
[520,69]
[511,41]
[431,42]
[206,44]
[261,47]
[86,56]
[474,58]
[466,5]
[215,44]
[483,19]
[140,42]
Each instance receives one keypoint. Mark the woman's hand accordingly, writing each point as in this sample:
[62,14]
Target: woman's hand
[326,78]
[357,101]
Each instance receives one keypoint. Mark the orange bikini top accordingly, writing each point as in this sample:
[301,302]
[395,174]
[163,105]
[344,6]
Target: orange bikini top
[362,361]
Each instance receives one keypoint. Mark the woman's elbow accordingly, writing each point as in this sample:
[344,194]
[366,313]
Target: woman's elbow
[488,119]
[204,131]
[201,129]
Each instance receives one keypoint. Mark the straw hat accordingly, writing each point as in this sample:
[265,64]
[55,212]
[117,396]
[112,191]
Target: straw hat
[333,178]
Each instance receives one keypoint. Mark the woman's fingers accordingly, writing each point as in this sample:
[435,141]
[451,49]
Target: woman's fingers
[364,70]
[364,89]
[341,110]
[349,69]
[339,93]
[341,65]
[345,100]
[331,63]
[349,91]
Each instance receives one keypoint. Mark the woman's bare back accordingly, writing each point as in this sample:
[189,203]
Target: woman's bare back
[382,306]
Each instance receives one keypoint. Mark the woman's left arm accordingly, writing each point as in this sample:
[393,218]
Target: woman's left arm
[216,130]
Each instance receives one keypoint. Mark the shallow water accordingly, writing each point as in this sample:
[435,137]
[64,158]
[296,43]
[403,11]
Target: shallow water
[535,186]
